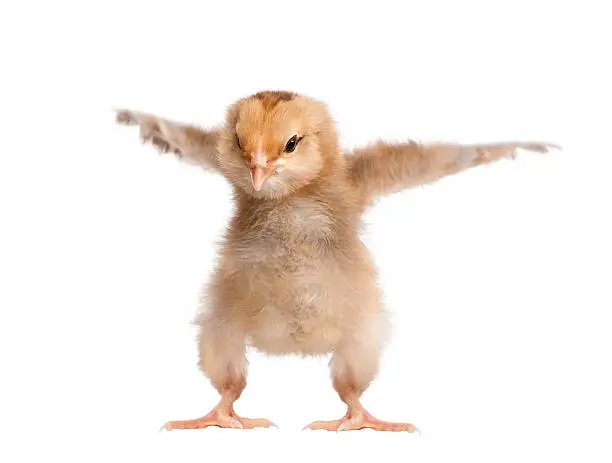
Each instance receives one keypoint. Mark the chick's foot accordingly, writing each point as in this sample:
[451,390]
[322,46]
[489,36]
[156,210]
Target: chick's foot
[222,418]
[353,421]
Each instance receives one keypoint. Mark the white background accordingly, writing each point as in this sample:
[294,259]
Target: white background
[498,279]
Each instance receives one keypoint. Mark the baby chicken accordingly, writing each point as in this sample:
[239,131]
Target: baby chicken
[293,275]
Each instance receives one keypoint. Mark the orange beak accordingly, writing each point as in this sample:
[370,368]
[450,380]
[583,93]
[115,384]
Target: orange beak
[260,170]
[258,176]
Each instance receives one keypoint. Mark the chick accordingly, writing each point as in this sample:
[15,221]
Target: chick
[293,275]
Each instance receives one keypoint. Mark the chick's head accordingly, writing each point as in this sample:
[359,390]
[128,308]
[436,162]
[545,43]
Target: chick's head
[275,143]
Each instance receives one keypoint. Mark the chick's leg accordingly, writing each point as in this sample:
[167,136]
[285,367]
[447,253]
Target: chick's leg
[222,359]
[353,366]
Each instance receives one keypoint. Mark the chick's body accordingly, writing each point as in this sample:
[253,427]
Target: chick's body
[293,275]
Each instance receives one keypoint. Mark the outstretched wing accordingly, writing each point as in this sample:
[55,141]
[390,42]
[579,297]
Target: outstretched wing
[190,143]
[383,168]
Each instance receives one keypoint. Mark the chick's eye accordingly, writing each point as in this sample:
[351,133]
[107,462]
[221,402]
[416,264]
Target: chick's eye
[238,142]
[291,144]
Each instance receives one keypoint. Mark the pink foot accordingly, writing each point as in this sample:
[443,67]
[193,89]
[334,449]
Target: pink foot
[221,418]
[361,420]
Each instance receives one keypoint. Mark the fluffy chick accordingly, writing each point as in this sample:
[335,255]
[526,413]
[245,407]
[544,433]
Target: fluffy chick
[293,275]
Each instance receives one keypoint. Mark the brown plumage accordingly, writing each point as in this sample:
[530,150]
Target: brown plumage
[293,275]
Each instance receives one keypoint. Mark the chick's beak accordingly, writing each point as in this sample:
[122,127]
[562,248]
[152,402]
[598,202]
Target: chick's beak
[260,169]
[258,176]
